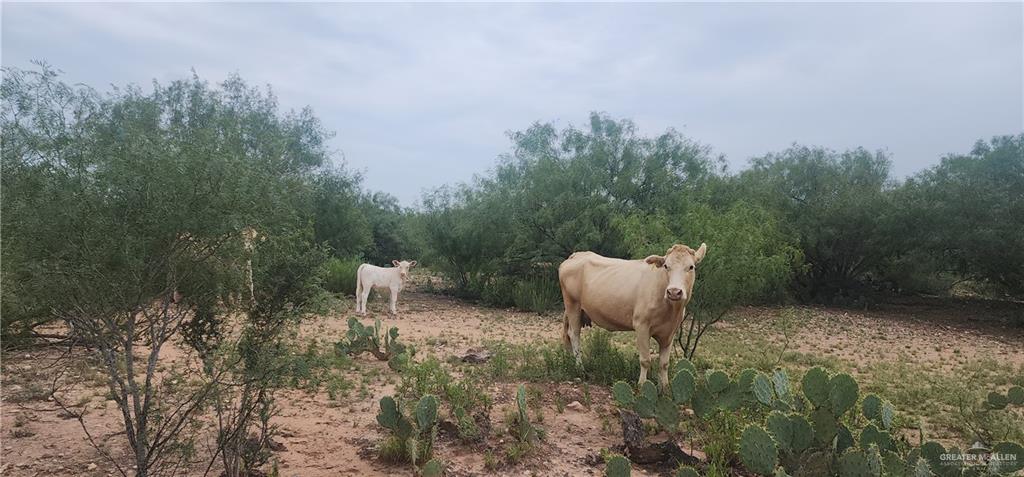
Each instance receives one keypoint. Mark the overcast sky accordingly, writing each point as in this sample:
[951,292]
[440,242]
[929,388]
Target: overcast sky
[422,95]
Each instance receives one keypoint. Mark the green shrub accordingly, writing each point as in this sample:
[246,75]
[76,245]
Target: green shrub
[340,275]
[605,363]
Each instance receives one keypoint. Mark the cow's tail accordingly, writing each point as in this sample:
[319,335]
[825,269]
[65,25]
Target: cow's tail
[359,283]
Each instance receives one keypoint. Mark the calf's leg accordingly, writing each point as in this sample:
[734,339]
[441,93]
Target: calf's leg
[363,297]
[394,302]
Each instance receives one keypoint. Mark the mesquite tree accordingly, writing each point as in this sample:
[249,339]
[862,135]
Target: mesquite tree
[125,216]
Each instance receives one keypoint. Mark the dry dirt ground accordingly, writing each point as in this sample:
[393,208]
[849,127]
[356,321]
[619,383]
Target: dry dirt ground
[325,437]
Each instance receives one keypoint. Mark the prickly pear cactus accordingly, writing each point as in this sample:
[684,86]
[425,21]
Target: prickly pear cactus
[426,412]
[815,386]
[932,453]
[1006,465]
[686,471]
[646,400]
[842,393]
[717,380]
[871,407]
[617,466]
[793,433]
[857,463]
[360,338]
[758,451]
[745,381]
[1015,396]
[683,386]
[780,384]
[687,365]
[872,436]
[433,468]
[389,413]
[762,387]
[824,425]
[997,400]
[666,413]
[623,394]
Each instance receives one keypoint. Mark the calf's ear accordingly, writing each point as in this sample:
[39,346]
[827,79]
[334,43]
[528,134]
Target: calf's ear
[394,262]
[656,260]
[412,264]
[699,255]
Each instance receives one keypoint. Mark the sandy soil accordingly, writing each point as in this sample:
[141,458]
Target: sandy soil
[321,437]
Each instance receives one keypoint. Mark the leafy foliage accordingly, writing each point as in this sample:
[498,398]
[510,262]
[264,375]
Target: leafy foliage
[142,214]
[963,215]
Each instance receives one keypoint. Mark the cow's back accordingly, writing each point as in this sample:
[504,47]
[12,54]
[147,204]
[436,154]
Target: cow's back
[605,288]
[374,276]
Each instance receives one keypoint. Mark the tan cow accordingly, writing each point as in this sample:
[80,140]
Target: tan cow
[648,296]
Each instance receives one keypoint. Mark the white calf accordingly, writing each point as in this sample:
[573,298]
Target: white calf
[369,277]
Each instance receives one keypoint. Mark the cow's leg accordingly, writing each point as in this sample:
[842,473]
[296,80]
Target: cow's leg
[364,297]
[394,302]
[571,329]
[664,352]
[359,294]
[643,347]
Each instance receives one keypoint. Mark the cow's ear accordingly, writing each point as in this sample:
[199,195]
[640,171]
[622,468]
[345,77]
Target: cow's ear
[412,264]
[699,255]
[394,262]
[656,260]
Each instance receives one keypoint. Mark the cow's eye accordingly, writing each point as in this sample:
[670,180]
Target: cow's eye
[691,267]
[666,266]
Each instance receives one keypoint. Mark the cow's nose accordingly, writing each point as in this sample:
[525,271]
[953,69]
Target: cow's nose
[674,293]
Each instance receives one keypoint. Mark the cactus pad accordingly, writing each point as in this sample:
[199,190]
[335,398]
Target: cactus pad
[758,451]
[686,471]
[687,365]
[426,412]
[780,382]
[667,413]
[842,393]
[1005,465]
[872,407]
[683,384]
[871,435]
[816,386]
[623,394]
[433,468]
[824,425]
[1015,396]
[718,381]
[997,400]
[389,414]
[762,387]
[646,400]
[854,463]
[617,466]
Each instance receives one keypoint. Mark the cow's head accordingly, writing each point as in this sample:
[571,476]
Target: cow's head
[403,268]
[680,263]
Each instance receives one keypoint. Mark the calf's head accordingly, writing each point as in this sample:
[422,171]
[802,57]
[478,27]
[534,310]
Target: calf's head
[680,263]
[403,268]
